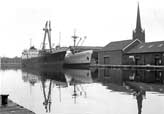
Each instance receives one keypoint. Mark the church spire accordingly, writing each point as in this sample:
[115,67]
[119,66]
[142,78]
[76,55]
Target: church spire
[138,24]
[139,33]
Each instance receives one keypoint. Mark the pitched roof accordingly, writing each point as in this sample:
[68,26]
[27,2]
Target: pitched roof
[117,45]
[148,47]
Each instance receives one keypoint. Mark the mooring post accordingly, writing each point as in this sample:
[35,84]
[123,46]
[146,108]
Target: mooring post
[4,99]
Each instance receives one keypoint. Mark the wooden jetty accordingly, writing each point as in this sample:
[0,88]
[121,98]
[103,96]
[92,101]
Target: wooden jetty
[128,66]
[13,108]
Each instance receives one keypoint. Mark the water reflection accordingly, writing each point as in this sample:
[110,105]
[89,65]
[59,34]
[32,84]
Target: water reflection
[61,79]
[93,90]
[139,94]
[135,82]
[47,98]
[47,78]
[149,80]
[77,77]
[8,67]
[141,81]
[113,79]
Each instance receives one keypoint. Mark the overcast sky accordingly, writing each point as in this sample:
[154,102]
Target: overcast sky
[102,21]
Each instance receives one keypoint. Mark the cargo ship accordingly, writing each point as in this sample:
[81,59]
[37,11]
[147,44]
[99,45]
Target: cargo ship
[77,58]
[43,58]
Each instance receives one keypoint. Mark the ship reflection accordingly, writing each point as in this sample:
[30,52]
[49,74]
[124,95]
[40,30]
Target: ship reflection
[47,98]
[78,77]
[49,79]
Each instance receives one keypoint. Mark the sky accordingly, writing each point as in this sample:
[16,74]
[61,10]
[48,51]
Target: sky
[102,21]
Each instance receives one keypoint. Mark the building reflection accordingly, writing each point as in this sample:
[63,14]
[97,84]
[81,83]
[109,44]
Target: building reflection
[150,80]
[141,81]
[10,67]
[113,79]
[134,82]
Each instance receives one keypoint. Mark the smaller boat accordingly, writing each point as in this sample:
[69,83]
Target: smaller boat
[76,57]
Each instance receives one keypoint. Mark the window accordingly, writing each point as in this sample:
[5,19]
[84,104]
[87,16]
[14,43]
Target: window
[160,45]
[106,72]
[141,46]
[106,60]
[150,46]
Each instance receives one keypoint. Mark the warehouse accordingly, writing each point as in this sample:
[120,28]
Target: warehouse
[151,53]
[113,53]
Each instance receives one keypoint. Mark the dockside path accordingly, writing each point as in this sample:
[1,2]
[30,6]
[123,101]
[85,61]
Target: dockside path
[13,108]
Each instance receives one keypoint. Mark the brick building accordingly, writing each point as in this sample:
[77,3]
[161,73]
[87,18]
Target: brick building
[151,53]
[114,52]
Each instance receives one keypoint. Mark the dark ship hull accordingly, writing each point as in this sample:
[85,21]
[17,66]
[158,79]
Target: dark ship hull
[45,60]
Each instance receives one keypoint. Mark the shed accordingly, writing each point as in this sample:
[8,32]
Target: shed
[113,53]
[151,53]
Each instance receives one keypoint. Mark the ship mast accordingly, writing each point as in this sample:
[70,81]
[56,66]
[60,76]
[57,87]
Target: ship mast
[59,38]
[30,42]
[49,36]
[74,38]
[47,31]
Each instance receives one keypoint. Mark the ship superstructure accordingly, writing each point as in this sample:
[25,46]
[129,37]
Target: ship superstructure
[77,57]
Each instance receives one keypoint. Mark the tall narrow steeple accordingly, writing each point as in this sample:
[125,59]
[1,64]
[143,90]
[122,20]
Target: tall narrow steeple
[138,24]
[139,33]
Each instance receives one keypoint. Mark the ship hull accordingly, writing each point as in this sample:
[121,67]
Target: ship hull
[80,59]
[47,60]
[78,76]
[77,66]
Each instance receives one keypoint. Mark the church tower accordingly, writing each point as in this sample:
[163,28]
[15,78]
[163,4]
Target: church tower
[139,33]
